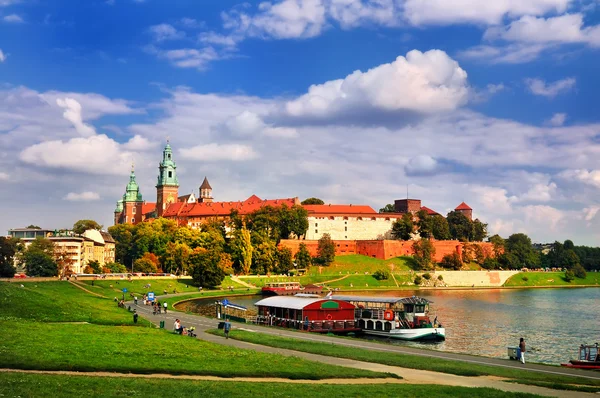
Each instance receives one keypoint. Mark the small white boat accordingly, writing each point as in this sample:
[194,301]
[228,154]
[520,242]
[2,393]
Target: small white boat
[395,317]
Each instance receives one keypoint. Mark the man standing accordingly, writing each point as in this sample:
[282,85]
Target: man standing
[522,348]
[227,328]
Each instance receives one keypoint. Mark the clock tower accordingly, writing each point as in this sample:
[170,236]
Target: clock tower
[167,187]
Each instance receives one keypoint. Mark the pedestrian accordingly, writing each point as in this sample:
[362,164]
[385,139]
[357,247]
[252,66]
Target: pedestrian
[522,349]
[135,300]
[158,306]
[227,328]
[177,326]
[154,309]
[135,316]
[165,306]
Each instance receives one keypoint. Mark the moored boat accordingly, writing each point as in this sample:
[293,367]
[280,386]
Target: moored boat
[589,358]
[289,289]
[398,318]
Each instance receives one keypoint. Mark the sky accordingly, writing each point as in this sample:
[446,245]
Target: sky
[352,101]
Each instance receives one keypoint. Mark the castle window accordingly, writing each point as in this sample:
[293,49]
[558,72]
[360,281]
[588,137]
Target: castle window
[345,228]
[133,220]
[169,156]
[133,210]
[316,231]
[316,224]
[170,174]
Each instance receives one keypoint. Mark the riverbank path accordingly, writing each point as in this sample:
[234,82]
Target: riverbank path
[411,376]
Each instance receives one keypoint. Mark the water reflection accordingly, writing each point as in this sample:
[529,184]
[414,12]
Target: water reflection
[554,322]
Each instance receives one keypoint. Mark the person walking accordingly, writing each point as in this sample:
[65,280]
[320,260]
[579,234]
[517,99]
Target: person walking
[135,316]
[522,349]
[135,300]
[165,305]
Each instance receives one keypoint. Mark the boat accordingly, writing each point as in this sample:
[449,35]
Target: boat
[589,358]
[395,317]
[289,289]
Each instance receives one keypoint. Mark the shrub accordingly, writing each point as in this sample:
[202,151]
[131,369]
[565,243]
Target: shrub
[440,278]
[381,274]
[418,280]
[452,261]
[525,278]
[579,271]
[427,275]
[569,275]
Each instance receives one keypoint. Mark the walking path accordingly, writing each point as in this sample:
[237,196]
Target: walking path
[410,376]
[241,282]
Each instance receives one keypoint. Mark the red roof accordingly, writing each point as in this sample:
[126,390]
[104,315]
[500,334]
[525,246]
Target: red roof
[214,209]
[339,209]
[463,206]
[429,211]
[148,207]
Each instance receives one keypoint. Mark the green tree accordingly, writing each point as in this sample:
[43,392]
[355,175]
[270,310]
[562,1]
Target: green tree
[176,258]
[116,268]
[519,252]
[498,244]
[205,269]
[325,250]
[491,263]
[568,245]
[302,257]
[40,264]
[265,220]
[423,253]
[83,225]
[242,250]
[95,266]
[123,236]
[285,261]
[313,201]
[148,263]
[424,224]
[292,222]
[569,275]
[451,261]
[403,227]
[479,232]
[439,227]
[263,257]
[460,226]
[8,249]
[389,208]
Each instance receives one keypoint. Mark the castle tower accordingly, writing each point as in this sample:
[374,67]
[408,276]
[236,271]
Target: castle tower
[167,187]
[205,192]
[465,209]
[132,202]
[119,212]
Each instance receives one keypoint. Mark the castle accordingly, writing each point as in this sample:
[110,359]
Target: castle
[341,222]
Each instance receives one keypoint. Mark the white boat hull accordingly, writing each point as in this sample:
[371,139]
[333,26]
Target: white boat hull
[436,334]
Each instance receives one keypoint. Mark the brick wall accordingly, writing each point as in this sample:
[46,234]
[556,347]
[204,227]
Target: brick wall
[385,249]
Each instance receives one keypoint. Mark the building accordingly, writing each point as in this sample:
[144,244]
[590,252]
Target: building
[79,249]
[185,209]
[465,209]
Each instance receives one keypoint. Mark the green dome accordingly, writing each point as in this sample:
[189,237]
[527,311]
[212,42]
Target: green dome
[119,208]
[132,192]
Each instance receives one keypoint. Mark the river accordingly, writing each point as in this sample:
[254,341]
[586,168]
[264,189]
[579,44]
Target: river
[554,322]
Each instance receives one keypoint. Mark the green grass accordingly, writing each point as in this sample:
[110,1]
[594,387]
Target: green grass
[356,263]
[30,385]
[551,279]
[211,293]
[114,288]
[58,302]
[87,347]
[406,361]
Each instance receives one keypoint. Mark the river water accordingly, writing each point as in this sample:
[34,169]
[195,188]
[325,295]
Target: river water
[554,322]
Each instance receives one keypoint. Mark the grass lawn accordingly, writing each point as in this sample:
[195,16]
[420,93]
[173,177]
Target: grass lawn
[114,288]
[551,279]
[211,293]
[353,263]
[87,347]
[29,385]
[410,361]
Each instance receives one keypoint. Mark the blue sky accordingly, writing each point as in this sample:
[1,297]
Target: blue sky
[351,101]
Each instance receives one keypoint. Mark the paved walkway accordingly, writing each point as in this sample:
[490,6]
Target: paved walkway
[410,376]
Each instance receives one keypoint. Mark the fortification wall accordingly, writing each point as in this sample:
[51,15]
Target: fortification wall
[475,278]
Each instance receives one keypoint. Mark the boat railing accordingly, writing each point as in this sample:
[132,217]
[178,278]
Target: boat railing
[375,314]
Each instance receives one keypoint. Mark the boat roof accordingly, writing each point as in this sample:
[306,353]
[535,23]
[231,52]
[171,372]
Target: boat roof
[389,300]
[292,302]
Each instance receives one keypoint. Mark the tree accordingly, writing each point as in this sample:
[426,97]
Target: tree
[83,225]
[176,258]
[292,221]
[40,264]
[424,252]
[33,227]
[498,244]
[439,227]
[242,250]
[123,236]
[116,268]
[579,271]
[403,227]
[460,226]
[226,263]
[205,269]
[424,224]
[389,208]
[568,244]
[325,250]
[64,261]
[263,257]
[479,232]
[519,252]
[312,201]
[302,257]
[148,263]
[451,261]
[95,266]
[8,249]
[285,261]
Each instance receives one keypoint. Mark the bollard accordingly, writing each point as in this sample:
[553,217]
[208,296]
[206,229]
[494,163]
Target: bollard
[162,324]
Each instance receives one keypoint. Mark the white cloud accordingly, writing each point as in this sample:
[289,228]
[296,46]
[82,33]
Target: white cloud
[139,143]
[73,114]
[2,56]
[188,57]
[4,176]
[82,197]
[4,3]
[13,18]
[540,87]
[163,32]
[191,23]
[567,28]
[93,105]
[421,165]
[517,53]
[539,193]
[558,119]
[421,12]
[217,152]
[353,13]
[588,177]
[422,82]
[249,123]
[495,88]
